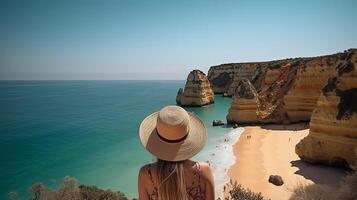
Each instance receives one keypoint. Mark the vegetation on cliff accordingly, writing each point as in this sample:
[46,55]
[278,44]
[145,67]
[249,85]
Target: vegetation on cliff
[346,190]
[70,190]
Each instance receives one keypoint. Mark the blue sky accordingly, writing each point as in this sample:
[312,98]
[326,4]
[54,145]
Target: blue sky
[88,39]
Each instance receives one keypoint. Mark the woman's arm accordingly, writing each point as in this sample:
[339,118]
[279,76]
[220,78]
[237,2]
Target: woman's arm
[142,180]
[208,175]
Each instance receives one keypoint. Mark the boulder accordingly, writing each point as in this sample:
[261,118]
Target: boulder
[276,180]
[217,122]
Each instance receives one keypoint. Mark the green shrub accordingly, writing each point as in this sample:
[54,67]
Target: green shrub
[346,190]
[70,190]
[238,193]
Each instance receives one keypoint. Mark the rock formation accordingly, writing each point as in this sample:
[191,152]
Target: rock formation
[222,76]
[245,71]
[225,78]
[333,126]
[276,180]
[267,105]
[197,91]
[244,104]
[301,99]
[287,89]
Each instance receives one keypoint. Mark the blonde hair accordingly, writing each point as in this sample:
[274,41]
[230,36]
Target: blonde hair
[171,179]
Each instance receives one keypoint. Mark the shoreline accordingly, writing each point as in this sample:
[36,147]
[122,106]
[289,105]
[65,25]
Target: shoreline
[267,150]
[223,158]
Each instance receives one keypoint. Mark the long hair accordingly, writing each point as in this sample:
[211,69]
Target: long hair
[171,180]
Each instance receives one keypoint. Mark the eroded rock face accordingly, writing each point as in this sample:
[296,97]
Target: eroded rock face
[333,126]
[197,91]
[312,75]
[244,71]
[288,90]
[223,76]
[267,104]
[244,104]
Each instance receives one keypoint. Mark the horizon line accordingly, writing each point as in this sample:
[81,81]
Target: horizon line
[92,80]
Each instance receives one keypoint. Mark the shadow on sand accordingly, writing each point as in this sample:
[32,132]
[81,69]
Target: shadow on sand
[320,174]
[291,127]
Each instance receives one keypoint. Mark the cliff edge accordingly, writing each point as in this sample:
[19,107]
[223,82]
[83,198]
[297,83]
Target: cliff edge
[333,127]
[287,90]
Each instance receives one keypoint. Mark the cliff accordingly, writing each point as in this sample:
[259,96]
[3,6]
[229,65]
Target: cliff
[197,91]
[268,102]
[333,126]
[288,90]
[312,75]
[222,76]
[225,78]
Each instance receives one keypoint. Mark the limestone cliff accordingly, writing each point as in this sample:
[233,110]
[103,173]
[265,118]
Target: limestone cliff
[333,126]
[222,76]
[225,78]
[287,89]
[267,106]
[197,91]
[312,74]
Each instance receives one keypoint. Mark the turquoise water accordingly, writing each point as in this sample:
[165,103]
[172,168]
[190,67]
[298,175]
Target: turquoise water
[84,129]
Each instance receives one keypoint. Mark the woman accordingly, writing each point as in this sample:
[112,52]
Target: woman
[174,136]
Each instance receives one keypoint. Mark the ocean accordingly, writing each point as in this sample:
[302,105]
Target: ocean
[89,130]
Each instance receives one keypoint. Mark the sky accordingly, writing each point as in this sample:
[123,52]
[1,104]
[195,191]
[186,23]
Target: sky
[160,40]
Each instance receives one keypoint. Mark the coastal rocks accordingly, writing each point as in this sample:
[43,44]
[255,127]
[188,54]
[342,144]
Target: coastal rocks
[197,91]
[249,106]
[333,127]
[270,108]
[222,76]
[244,104]
[244,71]
[312,75]
[276,180]
[217,122]
[287,90]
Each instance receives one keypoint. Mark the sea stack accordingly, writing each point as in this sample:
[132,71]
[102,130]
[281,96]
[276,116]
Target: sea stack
[197,91]
[333,127]
[244,104]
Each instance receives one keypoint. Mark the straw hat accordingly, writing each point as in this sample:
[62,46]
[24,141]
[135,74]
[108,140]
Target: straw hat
[172,134]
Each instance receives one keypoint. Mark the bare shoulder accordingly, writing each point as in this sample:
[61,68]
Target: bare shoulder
[206,170]
[144,170]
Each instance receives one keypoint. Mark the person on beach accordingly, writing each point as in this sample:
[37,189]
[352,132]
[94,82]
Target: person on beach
[174,136]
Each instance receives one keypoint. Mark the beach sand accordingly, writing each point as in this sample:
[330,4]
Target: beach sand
[270,150]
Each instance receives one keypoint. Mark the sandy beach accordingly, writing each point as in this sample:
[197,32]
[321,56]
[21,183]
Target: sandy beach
[270,150]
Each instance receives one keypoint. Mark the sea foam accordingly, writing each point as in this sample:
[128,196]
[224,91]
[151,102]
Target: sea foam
[223,158]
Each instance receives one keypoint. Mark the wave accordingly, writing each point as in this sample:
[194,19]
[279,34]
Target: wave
[223,158]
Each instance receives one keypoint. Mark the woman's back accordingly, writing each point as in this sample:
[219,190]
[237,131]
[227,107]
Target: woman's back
[174,136]
[196,178]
